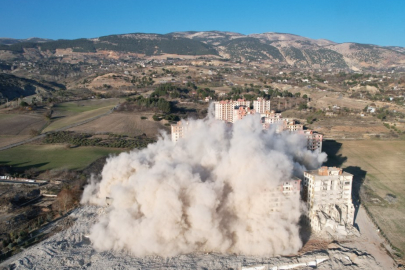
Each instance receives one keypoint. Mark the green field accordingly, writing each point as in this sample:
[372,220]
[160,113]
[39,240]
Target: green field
[69,113]
[85,105]
[382,166]
[47,157]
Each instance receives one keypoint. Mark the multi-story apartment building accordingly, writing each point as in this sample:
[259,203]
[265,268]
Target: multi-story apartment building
[314,140]
[178,131]
[224,109]
[328,190]
[277,198]
[261,106]
[232,111]
[241,111]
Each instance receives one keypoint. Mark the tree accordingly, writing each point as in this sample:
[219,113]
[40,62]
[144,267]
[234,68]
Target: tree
[305,96]
[302,106]
[23,104]
[48,115]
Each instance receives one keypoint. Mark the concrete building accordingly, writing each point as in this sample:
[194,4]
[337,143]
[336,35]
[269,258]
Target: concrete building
[178,131]
[328,194]
[261,106]
[241,111]
[276,199]
[232,111]
[224,109]
[314,140]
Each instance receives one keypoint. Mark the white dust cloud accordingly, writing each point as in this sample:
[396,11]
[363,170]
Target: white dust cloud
[207,192]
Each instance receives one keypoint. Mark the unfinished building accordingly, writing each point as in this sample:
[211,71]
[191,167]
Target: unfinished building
[328,194]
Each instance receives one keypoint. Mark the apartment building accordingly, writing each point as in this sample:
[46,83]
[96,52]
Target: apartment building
[224,109]
[241,111]
[261,106]
[328,194]
[278,198]
[178,131]
[314,140]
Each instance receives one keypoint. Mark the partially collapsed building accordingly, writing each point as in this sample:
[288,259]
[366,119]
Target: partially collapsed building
[279,198]
[328,194]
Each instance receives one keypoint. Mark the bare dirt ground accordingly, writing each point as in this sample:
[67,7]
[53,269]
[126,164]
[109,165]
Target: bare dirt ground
[371,241]
[123,123]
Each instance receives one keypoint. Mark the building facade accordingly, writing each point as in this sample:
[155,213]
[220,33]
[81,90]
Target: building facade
[328,194]
[178,131]
[261,106]
[241,111]
[224,109]
[278,199]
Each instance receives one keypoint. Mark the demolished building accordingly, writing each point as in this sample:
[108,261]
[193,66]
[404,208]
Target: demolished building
[328,194]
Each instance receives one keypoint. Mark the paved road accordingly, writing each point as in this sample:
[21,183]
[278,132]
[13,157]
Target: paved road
[56,130]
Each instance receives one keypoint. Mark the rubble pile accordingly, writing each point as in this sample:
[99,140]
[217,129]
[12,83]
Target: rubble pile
[334,226]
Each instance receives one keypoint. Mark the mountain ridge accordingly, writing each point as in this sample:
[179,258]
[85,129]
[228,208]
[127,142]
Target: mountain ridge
[271,47]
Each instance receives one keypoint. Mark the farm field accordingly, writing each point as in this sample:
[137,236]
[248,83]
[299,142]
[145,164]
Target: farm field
[122,123]
[20,124]
[381,164]
[85,105]
[69,113]
[11,139]
[47,157]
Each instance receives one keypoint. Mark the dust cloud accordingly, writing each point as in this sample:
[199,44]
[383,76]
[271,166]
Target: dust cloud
[203,193]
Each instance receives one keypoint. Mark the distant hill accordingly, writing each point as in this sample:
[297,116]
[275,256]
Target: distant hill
[148,44]
[271,47]
[12,87]
[248,48]
[10,41]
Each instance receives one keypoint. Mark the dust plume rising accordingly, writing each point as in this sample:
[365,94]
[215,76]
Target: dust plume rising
[203,193]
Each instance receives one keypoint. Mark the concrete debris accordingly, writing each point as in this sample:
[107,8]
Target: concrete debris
[72,249]
[327,224]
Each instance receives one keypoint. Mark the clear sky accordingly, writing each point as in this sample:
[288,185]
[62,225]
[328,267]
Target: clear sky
[379,22]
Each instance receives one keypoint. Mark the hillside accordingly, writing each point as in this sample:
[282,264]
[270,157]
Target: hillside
[294,50]
[12,87]
[147,44]
[251,49]
[10,41]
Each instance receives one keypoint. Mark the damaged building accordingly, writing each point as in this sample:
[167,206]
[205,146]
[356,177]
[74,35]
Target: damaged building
[328,194]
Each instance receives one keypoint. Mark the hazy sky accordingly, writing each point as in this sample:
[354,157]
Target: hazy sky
[376,22]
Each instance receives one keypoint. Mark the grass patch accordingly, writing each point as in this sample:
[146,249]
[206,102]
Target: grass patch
[85,105]
[76,118]
[47,157]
